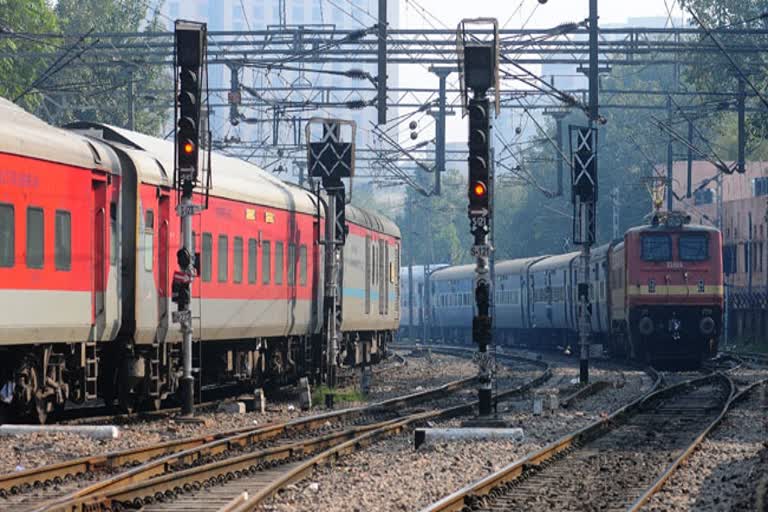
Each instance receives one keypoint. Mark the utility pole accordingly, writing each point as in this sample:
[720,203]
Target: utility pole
[670,156]
[615,204]
[558,116]
[381,79]
[411,244]
[742,142]
[189,67]
[131,101]
[584,195]
[689,183]
[442,75]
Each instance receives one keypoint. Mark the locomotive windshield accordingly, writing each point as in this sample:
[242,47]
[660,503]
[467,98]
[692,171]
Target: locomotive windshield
[656,247]
[693,247]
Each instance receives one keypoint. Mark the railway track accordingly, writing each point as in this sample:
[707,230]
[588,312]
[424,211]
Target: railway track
[608,465]
[192,479]
[34,488]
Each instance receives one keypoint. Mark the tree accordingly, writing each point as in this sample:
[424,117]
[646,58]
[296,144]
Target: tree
[715,73]
[19,19]
[101,92]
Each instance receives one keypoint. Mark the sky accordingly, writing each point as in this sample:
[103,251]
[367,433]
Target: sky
[416,14]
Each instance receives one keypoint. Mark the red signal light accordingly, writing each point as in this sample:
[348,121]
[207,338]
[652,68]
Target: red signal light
[479,189]
[188,148]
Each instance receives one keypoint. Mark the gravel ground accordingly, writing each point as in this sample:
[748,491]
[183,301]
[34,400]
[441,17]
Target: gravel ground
[24,452]
[395,477]
[726,470]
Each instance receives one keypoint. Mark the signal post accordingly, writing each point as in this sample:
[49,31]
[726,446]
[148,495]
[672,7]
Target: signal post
[479,68]
[190,38]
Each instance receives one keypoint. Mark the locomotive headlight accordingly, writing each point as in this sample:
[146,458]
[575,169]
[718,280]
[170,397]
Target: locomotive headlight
[645,326]
[707,325]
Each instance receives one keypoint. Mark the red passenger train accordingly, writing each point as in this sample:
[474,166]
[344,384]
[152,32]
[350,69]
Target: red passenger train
[88,237]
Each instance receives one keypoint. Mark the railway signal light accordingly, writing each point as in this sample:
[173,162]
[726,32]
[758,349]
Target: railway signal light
[189,57]
[479,156]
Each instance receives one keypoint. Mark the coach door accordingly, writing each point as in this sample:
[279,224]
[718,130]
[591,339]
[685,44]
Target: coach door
[99,255]
[163,228]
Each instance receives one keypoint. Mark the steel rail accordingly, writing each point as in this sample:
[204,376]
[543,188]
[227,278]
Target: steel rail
[667,474]
[158,485]
[487,485]
[170,452]
[370,438]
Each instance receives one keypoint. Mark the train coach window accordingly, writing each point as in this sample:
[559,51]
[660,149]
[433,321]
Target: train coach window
[266,261]
[279,263]
[656,247]
[7,235]
[149,238]
[62,254]
[207,256]
[291,264]
[237,264]
[693,247]
[35,232]
[253,254]
[221,258]
[113,234]
[303,265]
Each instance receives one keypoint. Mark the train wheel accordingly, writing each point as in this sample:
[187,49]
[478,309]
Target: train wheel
[42,407]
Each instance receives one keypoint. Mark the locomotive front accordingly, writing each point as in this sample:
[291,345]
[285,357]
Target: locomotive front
[674,296]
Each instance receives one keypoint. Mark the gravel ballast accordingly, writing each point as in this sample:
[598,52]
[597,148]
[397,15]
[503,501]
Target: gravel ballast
[28,451]
[392,476]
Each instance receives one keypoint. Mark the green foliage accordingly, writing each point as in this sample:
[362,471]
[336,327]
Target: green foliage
[18,18]
[436,228]
[341,395]
[101,92]
[713,72]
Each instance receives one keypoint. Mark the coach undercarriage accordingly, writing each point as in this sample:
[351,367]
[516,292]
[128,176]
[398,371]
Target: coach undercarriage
[39,380]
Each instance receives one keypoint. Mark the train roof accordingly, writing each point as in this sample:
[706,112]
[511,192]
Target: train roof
[25,134]
[516,266]
[552,262]
[243,181]
[454,273]
[662,228]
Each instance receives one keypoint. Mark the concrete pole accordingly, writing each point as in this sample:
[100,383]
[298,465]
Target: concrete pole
[588,209]
[408,203]
[131,101]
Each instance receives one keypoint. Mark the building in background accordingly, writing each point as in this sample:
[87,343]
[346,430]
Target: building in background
[743,217]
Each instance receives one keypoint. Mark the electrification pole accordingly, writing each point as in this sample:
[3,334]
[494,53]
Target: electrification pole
[584,195]
[189,67]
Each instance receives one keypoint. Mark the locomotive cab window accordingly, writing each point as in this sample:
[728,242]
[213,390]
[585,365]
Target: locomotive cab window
[656,247]
[7,235]
[693,247]
[63,241]
[35,232]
